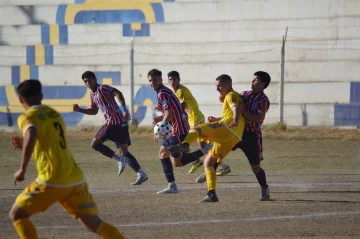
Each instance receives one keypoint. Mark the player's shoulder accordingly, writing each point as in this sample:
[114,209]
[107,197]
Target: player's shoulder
[232,94]
[183,88]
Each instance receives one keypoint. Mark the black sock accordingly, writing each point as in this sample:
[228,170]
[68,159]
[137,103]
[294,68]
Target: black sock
[191,157]
[216,165]
[133,163]
[104,150]
[261,177]
[168,169]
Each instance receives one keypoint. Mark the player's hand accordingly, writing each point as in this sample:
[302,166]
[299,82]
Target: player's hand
[76,108]
[156,108]
[156,140]
[127,115]
[19,176]
[234,123]
[212,119]
[16,142]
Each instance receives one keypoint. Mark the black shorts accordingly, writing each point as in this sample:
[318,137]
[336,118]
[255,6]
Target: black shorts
[174,140]
[119,134]
[251,145]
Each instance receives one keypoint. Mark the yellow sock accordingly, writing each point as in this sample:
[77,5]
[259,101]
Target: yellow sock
[210,178]
[191,137]
[108,231]
[26,229]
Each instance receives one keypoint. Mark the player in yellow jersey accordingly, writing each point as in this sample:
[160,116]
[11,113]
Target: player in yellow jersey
[224,133]
[59,177]
[189,105]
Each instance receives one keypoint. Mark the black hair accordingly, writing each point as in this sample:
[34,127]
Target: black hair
[263,77]
[88,74]
[155,72]
[224,78]
[29,88]
[174,74]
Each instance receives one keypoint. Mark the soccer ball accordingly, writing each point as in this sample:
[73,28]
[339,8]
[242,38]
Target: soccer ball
[163,130]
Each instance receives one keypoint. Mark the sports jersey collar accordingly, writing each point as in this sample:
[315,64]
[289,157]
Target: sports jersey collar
[36,106]
[97,87]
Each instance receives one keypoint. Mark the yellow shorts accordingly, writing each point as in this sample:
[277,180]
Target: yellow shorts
[75,200]
[222,137]
[195,118]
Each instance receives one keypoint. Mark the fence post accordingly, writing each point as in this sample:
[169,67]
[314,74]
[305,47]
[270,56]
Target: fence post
[282,75]
[132,80]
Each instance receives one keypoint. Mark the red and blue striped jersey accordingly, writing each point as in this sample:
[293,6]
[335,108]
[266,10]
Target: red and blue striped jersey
[255,103]
[104,100]
[167,100]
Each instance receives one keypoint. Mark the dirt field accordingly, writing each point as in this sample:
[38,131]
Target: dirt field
[314,183]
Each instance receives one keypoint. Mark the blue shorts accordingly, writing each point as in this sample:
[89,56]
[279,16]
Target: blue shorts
[251,145]
[173,140]
[119,134]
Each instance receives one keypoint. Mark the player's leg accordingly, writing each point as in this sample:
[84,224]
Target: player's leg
[120,136]
[209,163]
[252,148]
[97,144]
[167,165]
[197,163]
[34,198]
[80,204]
[224,169]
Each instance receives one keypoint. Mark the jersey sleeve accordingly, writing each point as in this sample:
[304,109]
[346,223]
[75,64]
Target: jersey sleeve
[233,100]
[181,95]
[264,106]
[164,101]
[25,122]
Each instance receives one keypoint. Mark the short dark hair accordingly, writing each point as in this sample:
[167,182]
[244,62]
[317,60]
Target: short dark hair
[29,88]
[88,74]
[174,74]
[224,78]
[263,77]
[155,72]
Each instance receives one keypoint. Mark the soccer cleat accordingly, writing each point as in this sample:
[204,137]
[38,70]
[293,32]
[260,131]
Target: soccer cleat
[195,166]
[169,190]
[201,178]
[265,194]
[121,163]
[210,197]
[140,179]
[223,171]
[179,148]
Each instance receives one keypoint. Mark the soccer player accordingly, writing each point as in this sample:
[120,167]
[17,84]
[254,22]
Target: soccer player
[116,126]
[173,113]
[189,105]
[59,177]
[256,105]
[224,132]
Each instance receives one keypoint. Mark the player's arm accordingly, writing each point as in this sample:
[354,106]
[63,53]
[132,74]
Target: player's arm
[258,117]
[120,98]
[213,119]
[166,106]
[168,115]
[27,150]
[93,110]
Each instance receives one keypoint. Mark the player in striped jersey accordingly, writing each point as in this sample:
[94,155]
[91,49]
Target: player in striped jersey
[256,105]
[173,112]
[116,127]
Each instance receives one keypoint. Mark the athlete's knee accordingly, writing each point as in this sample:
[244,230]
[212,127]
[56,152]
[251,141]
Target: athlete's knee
[255,168]
[209,161]
[163,153]
[95,144]
[123,149]
[17,213]
[176,162]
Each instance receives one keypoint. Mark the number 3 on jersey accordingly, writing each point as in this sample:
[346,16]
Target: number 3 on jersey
[62,137]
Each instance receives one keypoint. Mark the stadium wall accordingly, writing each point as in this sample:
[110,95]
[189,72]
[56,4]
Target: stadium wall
[57,40]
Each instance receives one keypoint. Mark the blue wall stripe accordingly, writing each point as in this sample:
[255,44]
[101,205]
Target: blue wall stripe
[3,97]
[45,34]
[15,75]
[63,92]
[169,0]
[60,14]
[49,54]
[347,114]
[355,92]
[115,76]
[34,72]
[79,1]
[30,55]
[63,34]
[159,12]
[110,16]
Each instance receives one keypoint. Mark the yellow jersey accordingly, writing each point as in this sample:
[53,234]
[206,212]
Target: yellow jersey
[53,159]
[232,99]
[195,116]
